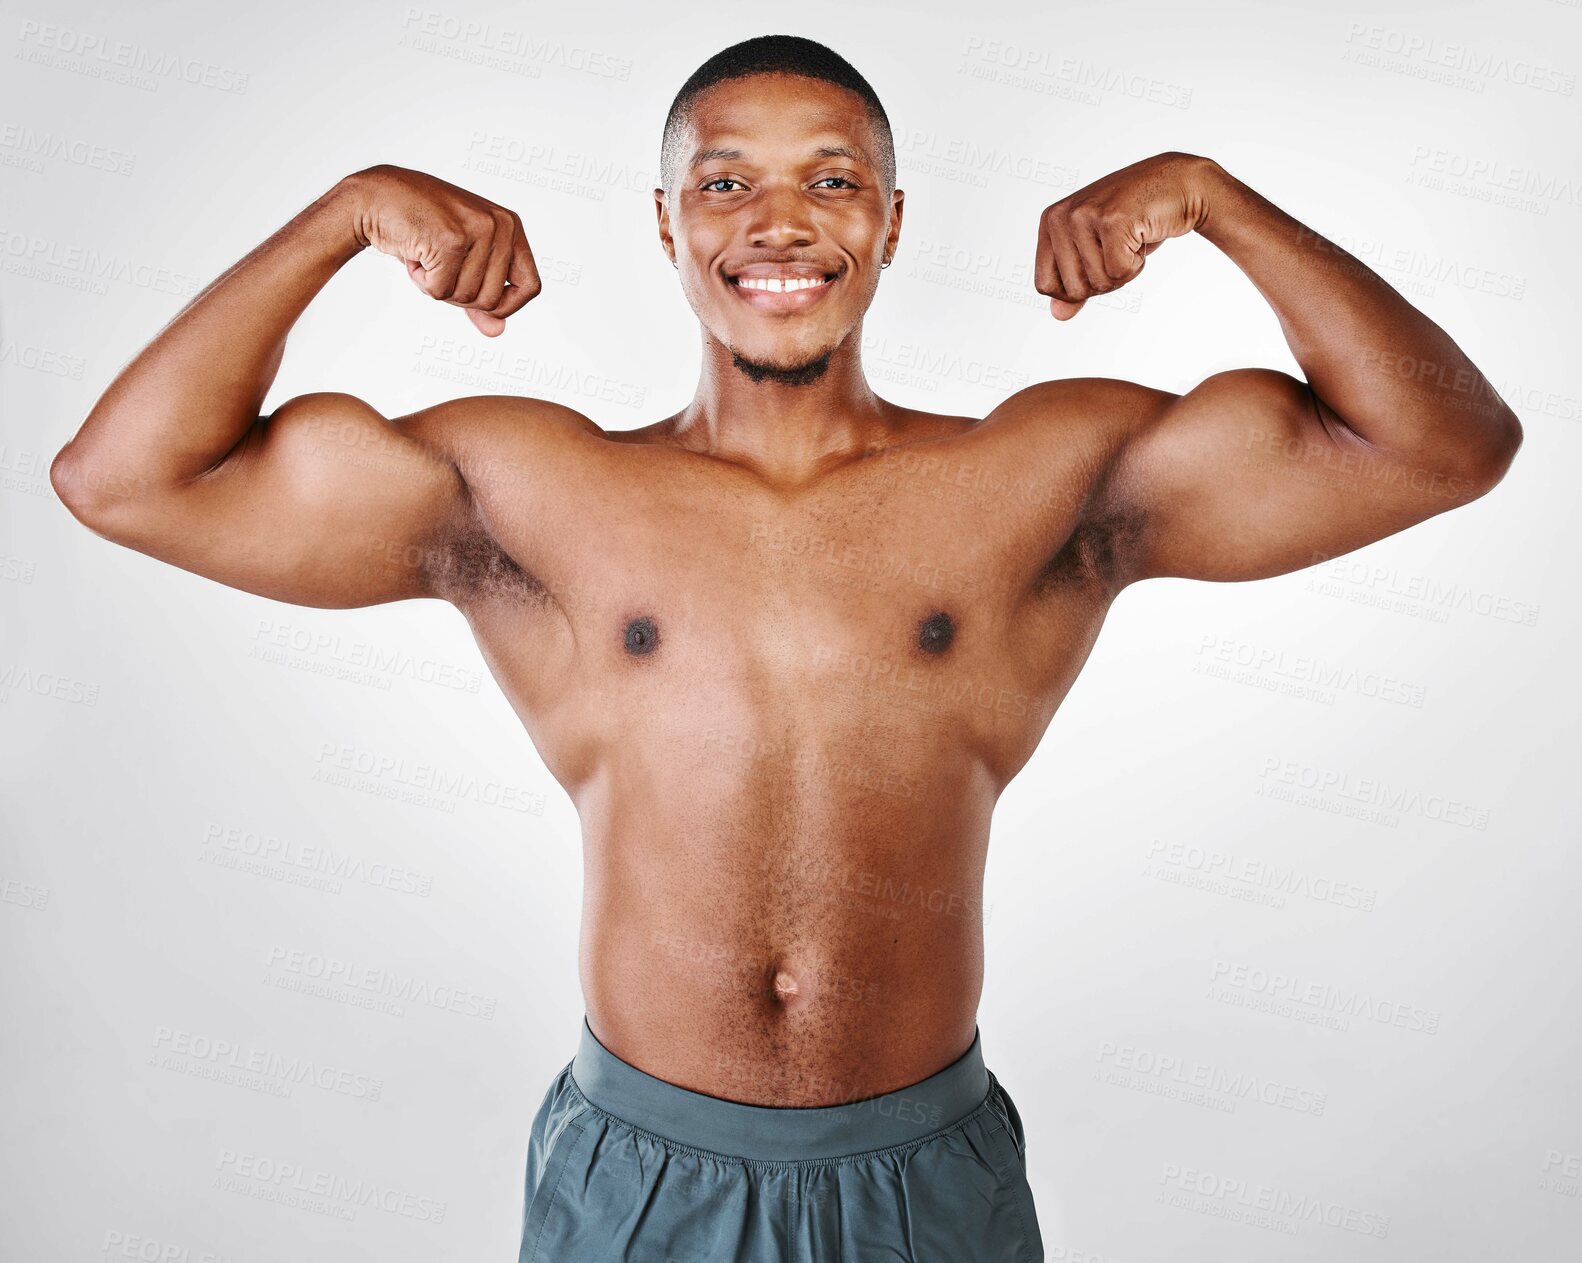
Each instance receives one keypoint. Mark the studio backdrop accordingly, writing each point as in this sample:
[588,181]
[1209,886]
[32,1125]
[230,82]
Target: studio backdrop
[1281,918]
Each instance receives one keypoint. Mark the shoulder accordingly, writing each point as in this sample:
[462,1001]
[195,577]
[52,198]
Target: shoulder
[504,449]
[477,434]
[1102,406]
[1073,435]
[483,416]
[1077,430]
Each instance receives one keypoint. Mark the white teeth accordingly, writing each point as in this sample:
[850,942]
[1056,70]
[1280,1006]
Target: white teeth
[780,284]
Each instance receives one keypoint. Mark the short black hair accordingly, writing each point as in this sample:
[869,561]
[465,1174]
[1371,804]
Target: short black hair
[775,54]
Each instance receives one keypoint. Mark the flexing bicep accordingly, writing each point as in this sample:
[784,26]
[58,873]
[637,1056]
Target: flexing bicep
[1250,475]
[324,502]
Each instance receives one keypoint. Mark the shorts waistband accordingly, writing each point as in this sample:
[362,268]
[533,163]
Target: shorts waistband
[779,1133]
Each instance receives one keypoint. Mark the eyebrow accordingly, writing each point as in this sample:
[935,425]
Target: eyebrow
[823,151]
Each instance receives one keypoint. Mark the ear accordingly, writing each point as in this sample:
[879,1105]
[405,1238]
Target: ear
[662,208]
[897,201]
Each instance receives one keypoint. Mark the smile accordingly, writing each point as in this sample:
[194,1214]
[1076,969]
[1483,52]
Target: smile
[782,293]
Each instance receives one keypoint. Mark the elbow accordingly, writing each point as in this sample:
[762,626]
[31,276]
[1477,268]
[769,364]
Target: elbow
[1494,459]
[1513,436]
[1509,442]
[89,493]
[65,476]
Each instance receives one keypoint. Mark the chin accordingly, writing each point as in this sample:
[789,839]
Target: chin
[777,344]
[779,356]
[777,362]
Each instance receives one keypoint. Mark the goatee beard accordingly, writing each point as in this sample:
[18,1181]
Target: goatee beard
[801,375]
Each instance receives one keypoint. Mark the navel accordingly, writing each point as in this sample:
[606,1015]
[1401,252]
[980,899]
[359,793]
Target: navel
[642,637]
[785,987]
[935,632]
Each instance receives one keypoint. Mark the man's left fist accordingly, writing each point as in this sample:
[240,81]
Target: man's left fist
[1095,240]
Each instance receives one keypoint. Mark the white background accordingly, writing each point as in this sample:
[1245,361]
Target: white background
[157,727]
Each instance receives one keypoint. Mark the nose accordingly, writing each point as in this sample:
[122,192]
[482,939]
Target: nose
[780,219]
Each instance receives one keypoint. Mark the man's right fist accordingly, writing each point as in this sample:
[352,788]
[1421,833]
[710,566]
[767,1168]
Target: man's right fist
[457,247]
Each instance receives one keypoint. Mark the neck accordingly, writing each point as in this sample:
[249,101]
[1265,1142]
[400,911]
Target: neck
[788,428]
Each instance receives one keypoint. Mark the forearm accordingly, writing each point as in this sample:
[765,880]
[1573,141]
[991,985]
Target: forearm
[191,395]
[1383,367]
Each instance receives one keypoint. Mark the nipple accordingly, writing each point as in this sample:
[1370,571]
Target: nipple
[641,636]
[935,633]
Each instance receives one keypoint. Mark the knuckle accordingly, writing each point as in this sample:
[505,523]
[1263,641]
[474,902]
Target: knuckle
[1115,220]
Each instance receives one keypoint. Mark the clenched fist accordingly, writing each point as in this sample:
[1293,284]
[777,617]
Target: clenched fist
[457,247]
[1095,240]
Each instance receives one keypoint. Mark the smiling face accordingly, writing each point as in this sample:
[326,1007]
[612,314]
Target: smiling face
[778,219]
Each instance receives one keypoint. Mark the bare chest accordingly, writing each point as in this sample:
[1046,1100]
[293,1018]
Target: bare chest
[918,604]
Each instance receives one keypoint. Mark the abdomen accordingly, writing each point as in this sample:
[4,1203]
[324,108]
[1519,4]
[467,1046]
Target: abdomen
[787,926]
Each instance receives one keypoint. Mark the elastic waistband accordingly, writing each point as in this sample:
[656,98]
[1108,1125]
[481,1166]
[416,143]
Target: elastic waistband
[772,1133]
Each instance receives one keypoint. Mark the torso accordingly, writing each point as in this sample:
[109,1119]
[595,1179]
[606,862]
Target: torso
[784,719]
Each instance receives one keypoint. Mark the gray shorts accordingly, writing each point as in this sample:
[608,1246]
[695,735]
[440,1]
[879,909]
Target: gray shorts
[626,1168]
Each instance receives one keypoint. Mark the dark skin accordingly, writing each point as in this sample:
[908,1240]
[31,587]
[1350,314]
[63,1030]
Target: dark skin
[785,648]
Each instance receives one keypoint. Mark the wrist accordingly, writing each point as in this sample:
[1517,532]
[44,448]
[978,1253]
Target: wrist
[341,215]
[1213,194]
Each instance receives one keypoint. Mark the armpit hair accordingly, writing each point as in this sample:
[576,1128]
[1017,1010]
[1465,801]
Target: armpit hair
[464,562]
[1094,552]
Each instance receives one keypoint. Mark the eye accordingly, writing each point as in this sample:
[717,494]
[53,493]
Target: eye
[719,179]
[841,178]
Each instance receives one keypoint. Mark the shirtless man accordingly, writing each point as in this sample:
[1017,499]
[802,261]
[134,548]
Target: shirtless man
[784,648]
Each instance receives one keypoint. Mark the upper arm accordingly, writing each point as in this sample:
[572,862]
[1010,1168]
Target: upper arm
[1250,475]
[324,502]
